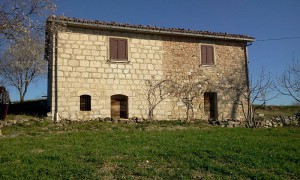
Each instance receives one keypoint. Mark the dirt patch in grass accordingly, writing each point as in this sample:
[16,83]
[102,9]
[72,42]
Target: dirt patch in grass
[107,170]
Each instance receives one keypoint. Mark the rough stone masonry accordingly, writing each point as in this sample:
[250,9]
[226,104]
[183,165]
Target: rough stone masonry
[80,66]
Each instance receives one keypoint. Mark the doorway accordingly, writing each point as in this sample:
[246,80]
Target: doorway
[119,106]
[210,105]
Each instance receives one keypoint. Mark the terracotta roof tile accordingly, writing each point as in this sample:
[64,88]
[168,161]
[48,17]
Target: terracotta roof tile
[147,27]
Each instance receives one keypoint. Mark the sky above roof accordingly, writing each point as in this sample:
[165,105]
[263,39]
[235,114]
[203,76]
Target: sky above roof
[274,23]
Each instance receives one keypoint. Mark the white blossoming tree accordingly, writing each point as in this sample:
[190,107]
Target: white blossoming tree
[20,17]
[22,63]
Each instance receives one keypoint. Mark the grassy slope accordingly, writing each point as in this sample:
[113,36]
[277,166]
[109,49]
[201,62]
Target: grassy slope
[157,150]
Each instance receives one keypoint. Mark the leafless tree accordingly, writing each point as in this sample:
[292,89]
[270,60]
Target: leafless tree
[157,92]
[20,17]
[290,81]
[21,54]
[259,91]
[22,63]
[188,91]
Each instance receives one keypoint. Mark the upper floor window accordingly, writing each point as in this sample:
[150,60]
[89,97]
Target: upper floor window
[118,49]
[85,103]
[207,55]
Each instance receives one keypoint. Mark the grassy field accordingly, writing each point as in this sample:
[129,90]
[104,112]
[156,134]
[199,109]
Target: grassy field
[166,150]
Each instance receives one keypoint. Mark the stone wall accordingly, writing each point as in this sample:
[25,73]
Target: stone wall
[182,63]
[84,69]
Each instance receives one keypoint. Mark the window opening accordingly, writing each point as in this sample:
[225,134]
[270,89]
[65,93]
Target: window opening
[85,103]
[118,49]
[207,55]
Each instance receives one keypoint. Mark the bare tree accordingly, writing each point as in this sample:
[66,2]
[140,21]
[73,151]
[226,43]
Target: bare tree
[22,56]
[156,93]
[259,91]
[20,17]
[290,81]
[22,63]
[188,91]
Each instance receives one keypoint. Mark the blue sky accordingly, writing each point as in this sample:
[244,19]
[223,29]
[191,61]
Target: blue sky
[261,19]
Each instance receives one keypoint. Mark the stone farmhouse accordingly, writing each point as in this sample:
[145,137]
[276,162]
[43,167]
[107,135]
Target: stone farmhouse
[107,69]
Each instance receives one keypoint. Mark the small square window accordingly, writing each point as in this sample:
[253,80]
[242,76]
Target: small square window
[207,55]
[118,49]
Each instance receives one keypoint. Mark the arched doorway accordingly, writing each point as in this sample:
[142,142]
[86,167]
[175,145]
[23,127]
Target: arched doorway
[119,106]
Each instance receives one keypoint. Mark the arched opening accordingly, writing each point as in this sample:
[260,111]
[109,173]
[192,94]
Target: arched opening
[119,106]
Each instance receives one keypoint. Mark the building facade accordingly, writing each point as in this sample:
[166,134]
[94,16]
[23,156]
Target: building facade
[100,69]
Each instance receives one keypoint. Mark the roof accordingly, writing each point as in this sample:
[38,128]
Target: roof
[148,29]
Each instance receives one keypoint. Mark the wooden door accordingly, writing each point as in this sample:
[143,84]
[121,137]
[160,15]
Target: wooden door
[115,109]
[210,105]
[119,106]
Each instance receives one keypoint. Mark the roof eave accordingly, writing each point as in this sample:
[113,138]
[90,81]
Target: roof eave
[150,31]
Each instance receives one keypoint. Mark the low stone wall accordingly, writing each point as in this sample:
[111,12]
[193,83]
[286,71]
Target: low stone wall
[131,120]
[20,120]
[281,121]
[230,123]
[260,122]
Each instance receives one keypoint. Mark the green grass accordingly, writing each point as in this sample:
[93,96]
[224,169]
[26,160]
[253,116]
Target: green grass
[165,150]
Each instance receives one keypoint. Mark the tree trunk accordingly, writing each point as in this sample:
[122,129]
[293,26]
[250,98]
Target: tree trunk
[150,114]
[21,97]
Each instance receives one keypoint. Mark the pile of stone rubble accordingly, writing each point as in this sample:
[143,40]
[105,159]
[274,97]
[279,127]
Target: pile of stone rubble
[230,123]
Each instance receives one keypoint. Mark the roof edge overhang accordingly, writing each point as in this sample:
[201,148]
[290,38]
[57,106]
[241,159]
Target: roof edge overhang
[148,31]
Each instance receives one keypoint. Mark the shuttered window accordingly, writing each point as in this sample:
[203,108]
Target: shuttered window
[118,49]
[207,55]
[85,103]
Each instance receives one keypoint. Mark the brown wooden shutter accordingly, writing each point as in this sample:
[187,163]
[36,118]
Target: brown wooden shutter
[210,55]
[122,49]
[203,55]
[113,48]
[207,55]
[118,49]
